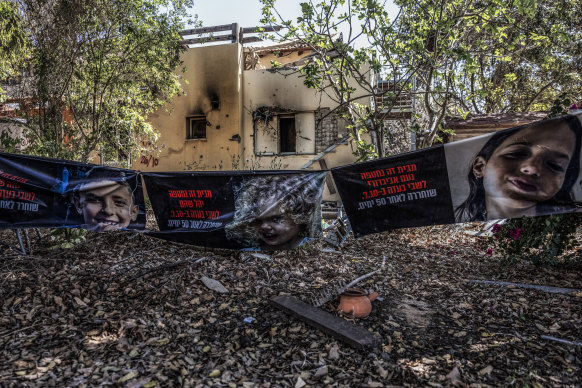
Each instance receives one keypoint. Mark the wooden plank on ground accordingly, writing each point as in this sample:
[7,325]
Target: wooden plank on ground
[341,329]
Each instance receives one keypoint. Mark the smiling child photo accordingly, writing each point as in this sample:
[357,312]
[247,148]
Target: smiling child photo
[106,201]
[275,212]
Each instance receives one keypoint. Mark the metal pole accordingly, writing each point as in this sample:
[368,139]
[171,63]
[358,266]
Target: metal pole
[235,32]
[19,237]
[27,240]
[413,121]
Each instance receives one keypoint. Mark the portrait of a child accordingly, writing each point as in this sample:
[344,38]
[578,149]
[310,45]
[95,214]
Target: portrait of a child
[105,202]
[525,171]
[277,211]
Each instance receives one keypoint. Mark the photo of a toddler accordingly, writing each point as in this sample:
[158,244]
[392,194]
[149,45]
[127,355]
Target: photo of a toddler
[275,212]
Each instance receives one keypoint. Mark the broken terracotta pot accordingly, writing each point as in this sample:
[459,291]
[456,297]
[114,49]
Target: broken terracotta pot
[356,302]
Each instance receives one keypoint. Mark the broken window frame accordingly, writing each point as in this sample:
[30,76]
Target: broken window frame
[274,126]
[189,132]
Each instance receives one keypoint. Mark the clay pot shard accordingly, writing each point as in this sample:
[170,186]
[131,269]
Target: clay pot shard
[356,302]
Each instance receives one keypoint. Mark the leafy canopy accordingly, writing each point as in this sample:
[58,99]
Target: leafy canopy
[13,42]
[457,56]
[97,69]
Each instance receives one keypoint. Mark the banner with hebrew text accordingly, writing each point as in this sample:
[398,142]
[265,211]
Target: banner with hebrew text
[529,170]
[403,191]
[252,210]
[45,192]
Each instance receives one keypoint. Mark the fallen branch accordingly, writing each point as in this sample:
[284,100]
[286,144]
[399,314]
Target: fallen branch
[10,332]
[10,247]
[547,337]
[550,289]
[363,277]
[330,295]
[165,267]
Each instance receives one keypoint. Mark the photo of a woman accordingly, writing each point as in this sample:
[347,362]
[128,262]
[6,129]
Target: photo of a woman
[525,171]
[275,212]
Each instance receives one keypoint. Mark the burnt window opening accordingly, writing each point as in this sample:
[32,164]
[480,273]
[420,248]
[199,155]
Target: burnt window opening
[279,131]
[196,127]
[287,134]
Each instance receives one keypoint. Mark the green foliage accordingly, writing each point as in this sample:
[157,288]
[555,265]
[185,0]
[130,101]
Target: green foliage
[14,45]
[9,143]
[313,76]
[275,64]
[541,240]
[560,105]
[66,238]
[465,56]
[99,68]
[364,151]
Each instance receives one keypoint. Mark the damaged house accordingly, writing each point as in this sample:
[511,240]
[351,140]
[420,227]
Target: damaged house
[236,113]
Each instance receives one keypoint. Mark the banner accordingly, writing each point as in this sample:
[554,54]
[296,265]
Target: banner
[258,210]
[529,170]
[399,192]
[44,192]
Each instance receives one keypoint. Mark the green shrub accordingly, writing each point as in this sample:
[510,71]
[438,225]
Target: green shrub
[541,240]
[66,238]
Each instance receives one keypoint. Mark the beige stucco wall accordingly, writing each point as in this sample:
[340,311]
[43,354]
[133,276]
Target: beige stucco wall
[285,89]
[212,72]
[216,72]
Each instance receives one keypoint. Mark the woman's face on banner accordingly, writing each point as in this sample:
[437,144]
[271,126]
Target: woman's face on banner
[529,166]
[107,207]
[275,228]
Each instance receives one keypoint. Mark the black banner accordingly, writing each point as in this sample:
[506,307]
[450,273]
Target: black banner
[44,192]
[254,210]
[529,170]
[402,191]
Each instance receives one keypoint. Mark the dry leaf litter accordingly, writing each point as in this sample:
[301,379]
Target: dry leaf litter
[125,309]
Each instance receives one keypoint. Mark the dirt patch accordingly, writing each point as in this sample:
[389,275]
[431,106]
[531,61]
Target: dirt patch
[416,312]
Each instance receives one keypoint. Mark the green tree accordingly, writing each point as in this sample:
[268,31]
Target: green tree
[464,56]
[98,68]
[13,43]
[343,70]
[533,50]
